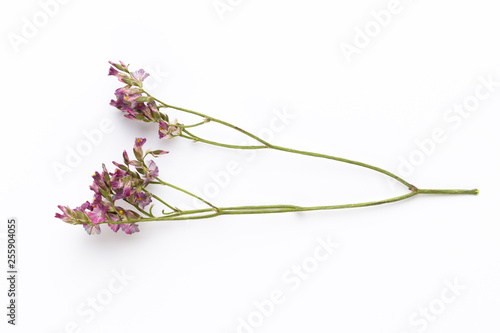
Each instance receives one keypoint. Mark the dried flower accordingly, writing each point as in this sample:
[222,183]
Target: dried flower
[139,76]
[169,130]
[109,188]
[151,172]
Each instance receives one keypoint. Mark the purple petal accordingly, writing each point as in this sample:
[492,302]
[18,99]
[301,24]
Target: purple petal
[139,75]
[92,229]
[129,228]
[114,227]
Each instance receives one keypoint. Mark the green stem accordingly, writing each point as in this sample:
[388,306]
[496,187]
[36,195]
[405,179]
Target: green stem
[196,138]
[194,125]
[160,200]
[268,209]
[425,191]
[268,145]
[187,192]
[138,208]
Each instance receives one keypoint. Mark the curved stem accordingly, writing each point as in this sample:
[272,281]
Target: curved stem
[197,214]
[193,125]
[196,138]
[268,145]
[138,208]
[160,200]
[268,209]
[187,192]
[256,138]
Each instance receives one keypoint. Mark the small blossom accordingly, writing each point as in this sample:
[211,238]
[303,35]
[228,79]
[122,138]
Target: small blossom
[114,227]
[84,207]
[169,130]
[92,229]
[126,160]
[98,214]
[125,190]
[135,163]
[132,113]
[115,217]
[151,172]
[129,228]
[128,95]
[112,71]
[120,76]
[131,215]
[156,116]
[121,66]
[109,187]
[66,216]
[120,166]
[130,98]
[141,199]
[128,91]
[157,153]
[101,181]
[151,112]
[97,201]
[127,101]
[139,142]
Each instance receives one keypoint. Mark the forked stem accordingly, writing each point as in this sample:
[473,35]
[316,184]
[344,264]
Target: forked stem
[214,211]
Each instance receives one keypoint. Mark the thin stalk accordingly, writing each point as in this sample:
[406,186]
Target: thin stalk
[160,200]
[138,208]
[246,210]
[269,209]
[193,125]
[426,191]
[196,138]
[268,145]
[186,192]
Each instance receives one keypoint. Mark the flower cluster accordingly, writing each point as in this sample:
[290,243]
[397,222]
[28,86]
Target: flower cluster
[132,100]
[110,187]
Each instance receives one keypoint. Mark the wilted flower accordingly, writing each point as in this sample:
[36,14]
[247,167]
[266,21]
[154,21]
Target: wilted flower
[141,199]
[169,130]
[109,188]
[151,172]
[92,229]
[131,98]
[139,76]
[138,152]
[157,153]
[121,77]
[120,66]
[98,213]
[129,228]
[67,215]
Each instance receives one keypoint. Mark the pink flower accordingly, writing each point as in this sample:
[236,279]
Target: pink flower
[92,229]
[129,228]
[139,76]
[121,66]
[159,152]
[138,152]
[169,130]
[151,172]
[114,227]
[98,214]
[108,188]
[66,216]
[120,76]
[141,199]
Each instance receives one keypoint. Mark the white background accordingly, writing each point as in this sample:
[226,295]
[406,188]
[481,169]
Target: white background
[245,65]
